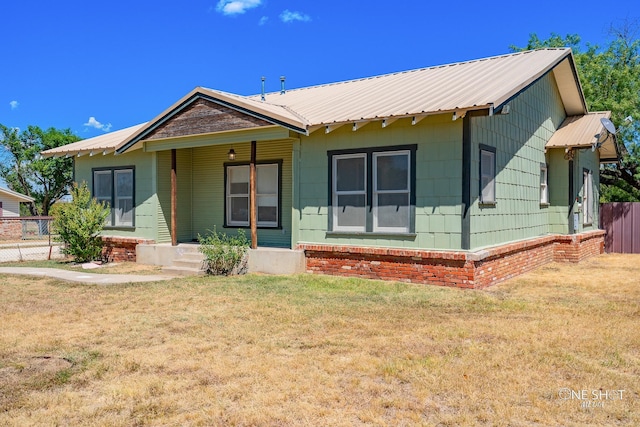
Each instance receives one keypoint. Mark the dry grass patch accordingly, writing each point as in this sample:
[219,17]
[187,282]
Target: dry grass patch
[263,350]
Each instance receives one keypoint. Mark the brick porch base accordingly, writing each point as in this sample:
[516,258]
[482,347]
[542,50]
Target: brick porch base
[450,268]
[119,249]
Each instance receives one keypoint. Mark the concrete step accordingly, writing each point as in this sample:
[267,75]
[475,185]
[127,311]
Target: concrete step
[182,271]
[191,263]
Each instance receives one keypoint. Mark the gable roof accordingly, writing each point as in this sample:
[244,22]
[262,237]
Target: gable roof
[483,84]
[15,195]
[584,132]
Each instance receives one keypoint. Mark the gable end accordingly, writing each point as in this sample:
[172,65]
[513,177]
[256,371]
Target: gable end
[203,116]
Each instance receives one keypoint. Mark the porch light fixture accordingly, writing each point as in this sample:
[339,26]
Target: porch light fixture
[231,154]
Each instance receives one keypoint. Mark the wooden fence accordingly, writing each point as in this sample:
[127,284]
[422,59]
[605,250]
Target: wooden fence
[621,221]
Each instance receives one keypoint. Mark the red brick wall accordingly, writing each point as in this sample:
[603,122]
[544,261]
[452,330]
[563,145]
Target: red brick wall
[447,268]
[119,249]
[10,229]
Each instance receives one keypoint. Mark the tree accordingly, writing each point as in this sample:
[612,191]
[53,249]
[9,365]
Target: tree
[610,78]
[79,224]
[25,171]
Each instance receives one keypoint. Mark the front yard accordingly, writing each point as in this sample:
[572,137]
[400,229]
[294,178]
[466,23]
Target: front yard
[559,346]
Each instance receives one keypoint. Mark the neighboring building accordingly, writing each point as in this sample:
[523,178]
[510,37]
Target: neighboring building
[462,174]
[10,202]
[10,224]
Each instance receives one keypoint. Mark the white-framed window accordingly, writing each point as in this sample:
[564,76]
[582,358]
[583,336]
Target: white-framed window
[350,192]
[372,190]
[487,175]
[544,184]
[587,197]
[391,191]
[267,195]
[116,188]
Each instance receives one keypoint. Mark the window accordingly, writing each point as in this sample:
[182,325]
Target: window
[267,195]
[115,187]
[487,175]
[544,188]
[350,192]
[372,190]
[587,198]
[391,191]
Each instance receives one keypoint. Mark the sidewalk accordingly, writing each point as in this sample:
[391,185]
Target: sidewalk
[83,277]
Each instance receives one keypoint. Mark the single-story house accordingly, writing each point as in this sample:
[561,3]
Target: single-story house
[10,225]
[10,202]
[462,174]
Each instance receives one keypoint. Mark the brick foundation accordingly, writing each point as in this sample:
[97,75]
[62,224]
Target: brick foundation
[119,249]
[450,268]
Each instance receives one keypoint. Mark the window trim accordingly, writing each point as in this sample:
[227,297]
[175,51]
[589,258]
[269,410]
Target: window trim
[369,223]
[481,200]
[226,223]
[544,186]
[112,214]
[587,197]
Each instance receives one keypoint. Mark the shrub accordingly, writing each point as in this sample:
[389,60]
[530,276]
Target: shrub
[79,224]
[224,255]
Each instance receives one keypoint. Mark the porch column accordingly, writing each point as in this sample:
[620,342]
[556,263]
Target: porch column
[253,220]
[174,200]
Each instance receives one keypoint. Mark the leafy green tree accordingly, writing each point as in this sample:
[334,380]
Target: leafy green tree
[610,77]
[25,171]
[79,223]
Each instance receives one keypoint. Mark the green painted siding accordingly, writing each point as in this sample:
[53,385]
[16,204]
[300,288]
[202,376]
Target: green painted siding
[585,159]
[208,188]
[558,209]
[438,182]
[519,139]
[145,188]
[184,195]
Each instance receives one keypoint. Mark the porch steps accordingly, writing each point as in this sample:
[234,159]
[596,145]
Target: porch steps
[188,262]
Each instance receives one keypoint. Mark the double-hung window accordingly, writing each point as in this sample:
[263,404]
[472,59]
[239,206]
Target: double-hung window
[350,192]
[372,190]
[115,188]
[487,175]
[544,186]
[267,195]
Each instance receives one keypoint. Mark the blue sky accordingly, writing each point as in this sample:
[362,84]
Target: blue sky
[100,66]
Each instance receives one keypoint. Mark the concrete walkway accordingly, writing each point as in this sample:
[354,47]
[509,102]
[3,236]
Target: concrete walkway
[83,277]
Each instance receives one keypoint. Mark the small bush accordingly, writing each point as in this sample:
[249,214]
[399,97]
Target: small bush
[224,255]
[79,224]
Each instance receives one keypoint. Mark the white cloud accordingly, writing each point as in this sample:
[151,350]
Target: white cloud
[92,122]
[263,20]
[14,104]
[288,16]
[235,7]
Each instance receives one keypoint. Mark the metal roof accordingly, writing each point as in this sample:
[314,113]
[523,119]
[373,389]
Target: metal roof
[584,131]
[460,86]
[103,144]
[486,83]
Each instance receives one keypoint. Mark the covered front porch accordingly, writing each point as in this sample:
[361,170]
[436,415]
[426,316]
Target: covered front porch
[185,258]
